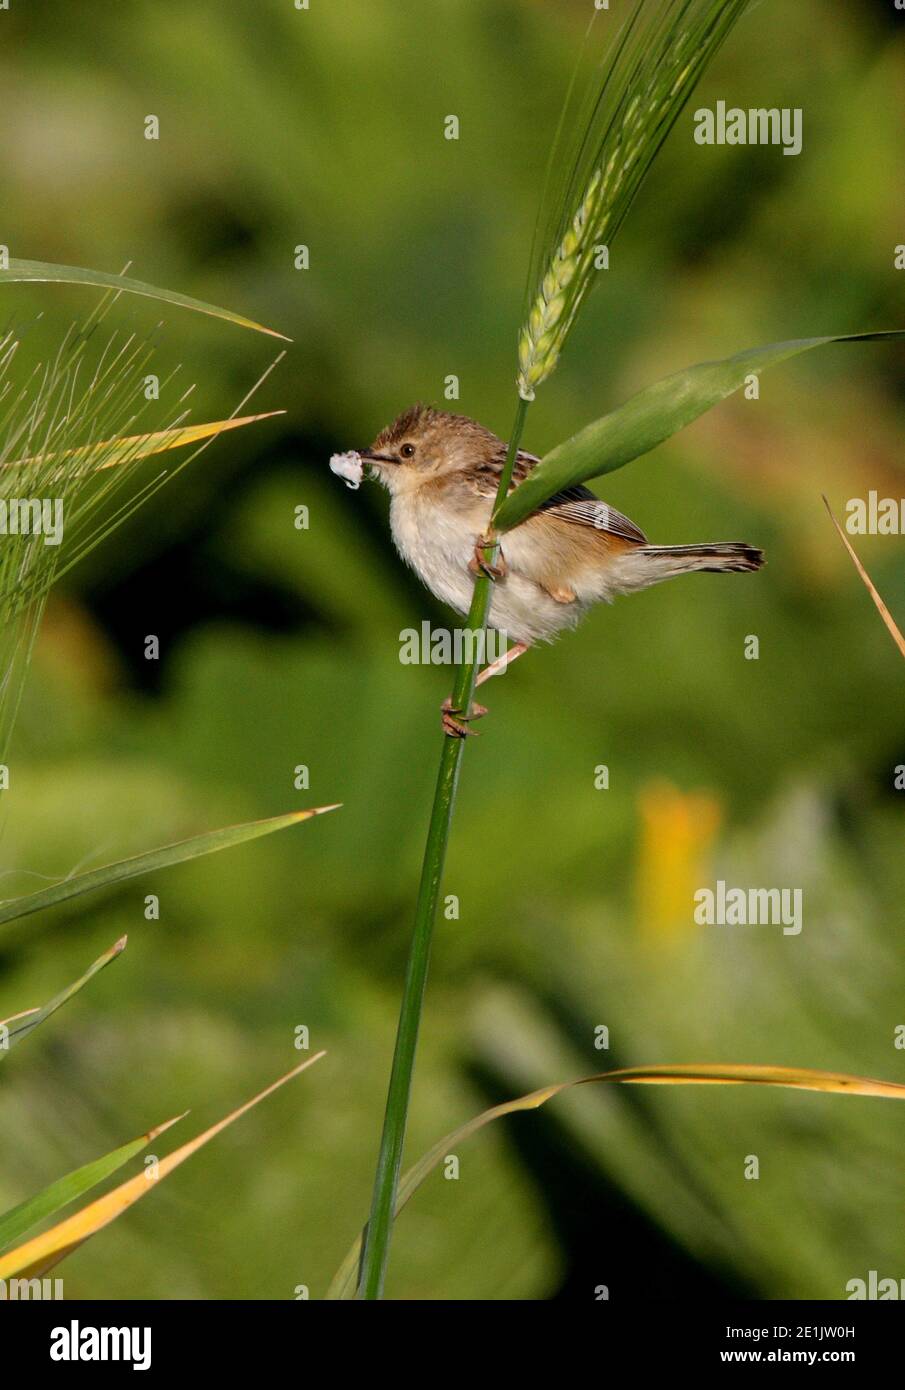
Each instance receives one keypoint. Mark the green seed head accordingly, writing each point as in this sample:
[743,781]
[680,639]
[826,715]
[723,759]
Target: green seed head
[656,61]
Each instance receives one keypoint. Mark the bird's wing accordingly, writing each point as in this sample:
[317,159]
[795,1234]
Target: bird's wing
[577,505]
[580,505]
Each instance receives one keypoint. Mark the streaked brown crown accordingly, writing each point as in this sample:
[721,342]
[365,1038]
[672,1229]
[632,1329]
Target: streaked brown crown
[437,432]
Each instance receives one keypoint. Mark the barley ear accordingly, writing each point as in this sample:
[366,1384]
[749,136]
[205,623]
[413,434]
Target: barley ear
[609,135]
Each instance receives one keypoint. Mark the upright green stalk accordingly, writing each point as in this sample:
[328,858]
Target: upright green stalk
[383,1202]
[657,57]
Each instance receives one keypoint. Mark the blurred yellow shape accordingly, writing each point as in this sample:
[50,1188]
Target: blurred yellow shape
[676,832]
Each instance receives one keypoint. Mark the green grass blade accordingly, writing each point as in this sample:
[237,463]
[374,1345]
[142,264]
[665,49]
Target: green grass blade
[15,1029]
[208,843]
[691,1074]
[15,1222]
[654,415]
[44,272]
[46,1250]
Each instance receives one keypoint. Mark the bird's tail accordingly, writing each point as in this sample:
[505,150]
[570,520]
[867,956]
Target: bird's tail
[719,556]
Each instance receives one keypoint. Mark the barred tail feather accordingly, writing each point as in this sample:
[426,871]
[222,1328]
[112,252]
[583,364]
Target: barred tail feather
[718,557]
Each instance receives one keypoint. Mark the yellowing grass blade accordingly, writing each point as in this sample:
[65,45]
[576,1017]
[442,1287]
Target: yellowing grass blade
[884,612]
[798,1078]
[41,1253]
[15,1029]
[137,446]
[178,853]
[19,272]
[15,1222]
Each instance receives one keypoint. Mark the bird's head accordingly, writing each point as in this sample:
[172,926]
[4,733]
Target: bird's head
[425,444]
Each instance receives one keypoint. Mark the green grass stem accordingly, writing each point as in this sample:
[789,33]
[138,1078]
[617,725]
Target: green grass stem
[386,1180]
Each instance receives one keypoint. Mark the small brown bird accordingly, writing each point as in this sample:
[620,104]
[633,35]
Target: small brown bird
[442,472]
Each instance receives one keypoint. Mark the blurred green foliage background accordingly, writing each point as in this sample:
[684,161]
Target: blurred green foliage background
[280,647]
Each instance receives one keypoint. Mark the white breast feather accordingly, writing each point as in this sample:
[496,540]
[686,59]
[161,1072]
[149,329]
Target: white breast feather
[438,544]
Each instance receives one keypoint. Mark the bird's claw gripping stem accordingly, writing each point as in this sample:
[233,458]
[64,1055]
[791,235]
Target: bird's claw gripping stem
[478,565]
[455,723]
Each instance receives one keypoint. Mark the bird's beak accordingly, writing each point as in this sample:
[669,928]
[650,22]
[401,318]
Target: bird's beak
[367,457]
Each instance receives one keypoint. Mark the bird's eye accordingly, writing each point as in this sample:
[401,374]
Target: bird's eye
[407,451]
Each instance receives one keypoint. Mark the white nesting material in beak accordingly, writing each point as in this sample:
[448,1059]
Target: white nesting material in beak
[349,467]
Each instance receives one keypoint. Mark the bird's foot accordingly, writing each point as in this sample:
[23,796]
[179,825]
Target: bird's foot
[478,565]
[455,723]
[502,663]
